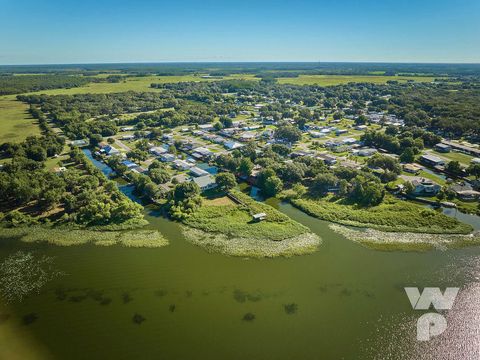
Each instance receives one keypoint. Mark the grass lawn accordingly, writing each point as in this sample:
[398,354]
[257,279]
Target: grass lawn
[222,216]
[391,215]
[15,121]
[330,80]
[454,156]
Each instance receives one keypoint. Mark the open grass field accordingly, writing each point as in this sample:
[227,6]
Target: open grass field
[140,83]
[15,121]
[330,80]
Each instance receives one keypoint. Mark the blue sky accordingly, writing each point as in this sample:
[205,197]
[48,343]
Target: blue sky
[86,31]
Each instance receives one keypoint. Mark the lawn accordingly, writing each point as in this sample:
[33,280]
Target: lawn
[330,80]
[391,215]
[15,121]
[454,156]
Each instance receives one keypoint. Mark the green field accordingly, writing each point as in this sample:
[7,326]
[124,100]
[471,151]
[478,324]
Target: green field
[15,121]
[330,80]
[140,83]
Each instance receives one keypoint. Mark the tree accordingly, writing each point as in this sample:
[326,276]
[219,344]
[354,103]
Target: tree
[454,167]
[95,139]
[322,183]
[273,185]
[225,181]
[367,192]
[288,133]
[474,170]
[408,155]
[159,175]
[245,167]
[361,120]
[185,190]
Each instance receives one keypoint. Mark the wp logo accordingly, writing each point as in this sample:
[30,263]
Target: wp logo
[431,324]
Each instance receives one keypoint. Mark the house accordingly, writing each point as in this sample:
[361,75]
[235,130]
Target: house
[432,160]
[247,136]
[182,164]
[316,134]
[79,143]
[129,164]
[349,141]
[232,145]
[157,150]
[127,128]
[127,137]
[440,147]
[465,192]
[327,159]
[205,182]
[361,127]
[206,127]
[259,217]
[412,168]
[167,157]
[341,131]
[109,150]
[196,171]
[425,187]
[366,152]
[202,153]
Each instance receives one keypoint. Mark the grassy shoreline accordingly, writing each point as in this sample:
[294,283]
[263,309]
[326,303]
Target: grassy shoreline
[229,229]
[390,216]
[72,237]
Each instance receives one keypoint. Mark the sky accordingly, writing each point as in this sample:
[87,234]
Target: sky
[112,31]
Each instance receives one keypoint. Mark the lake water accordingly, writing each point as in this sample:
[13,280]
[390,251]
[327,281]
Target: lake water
[349,303]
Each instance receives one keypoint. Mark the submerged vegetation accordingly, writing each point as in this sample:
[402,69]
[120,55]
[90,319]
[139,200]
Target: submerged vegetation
[23,274]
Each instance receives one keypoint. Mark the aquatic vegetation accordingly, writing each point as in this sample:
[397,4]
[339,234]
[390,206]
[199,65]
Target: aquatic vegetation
[252,247]
[291,308]
[248,317]
[23,274]
[242,296]
[126,298]
[345,292]
[161,293]
[60,294]
[138,319]
[70,237]
[29,319]
[105,301]
[407,241]
[188,293]
[172,308]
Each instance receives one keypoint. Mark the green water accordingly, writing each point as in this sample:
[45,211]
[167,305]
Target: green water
[350,300]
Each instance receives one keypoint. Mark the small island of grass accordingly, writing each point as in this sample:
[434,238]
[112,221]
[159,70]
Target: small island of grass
[226,226]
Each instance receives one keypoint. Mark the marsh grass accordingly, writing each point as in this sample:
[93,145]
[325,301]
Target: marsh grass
[70,237]
[392,215]
[138,319]
[407,241]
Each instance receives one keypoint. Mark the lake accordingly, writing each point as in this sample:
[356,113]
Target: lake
[343,302]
